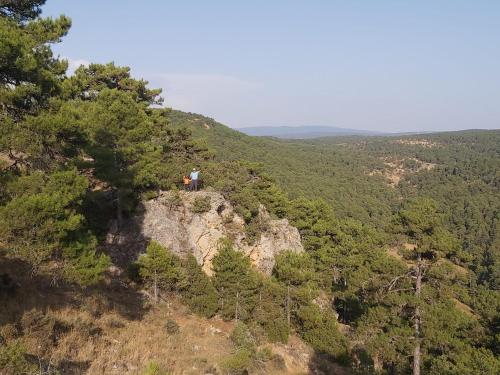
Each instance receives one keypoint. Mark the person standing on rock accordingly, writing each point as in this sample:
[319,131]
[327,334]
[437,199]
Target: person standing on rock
[194,180]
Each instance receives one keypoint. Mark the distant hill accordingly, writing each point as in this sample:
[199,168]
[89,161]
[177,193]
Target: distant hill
[303,132]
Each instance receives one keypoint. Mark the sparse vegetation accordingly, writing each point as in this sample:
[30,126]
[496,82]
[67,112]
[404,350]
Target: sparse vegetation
[237,363]
[201,205]
[173,200]
[242,337]
[154,368]
[13,359]
[172,327]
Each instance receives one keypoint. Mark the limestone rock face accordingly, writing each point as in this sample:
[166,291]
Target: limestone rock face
[176,221]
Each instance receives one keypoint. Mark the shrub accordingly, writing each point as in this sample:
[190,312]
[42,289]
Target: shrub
[238,362]
[114,322]
[201,205]
[242,337]
[154,368]
[148,195]
[9,331]
[173,200]
[320,329]
[277,330]
[133,272]
[172,327]
[278,362]
[263,355]
[13,359]
[88,268]
[270,313]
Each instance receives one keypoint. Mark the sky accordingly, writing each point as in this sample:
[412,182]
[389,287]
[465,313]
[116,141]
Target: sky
[400,65]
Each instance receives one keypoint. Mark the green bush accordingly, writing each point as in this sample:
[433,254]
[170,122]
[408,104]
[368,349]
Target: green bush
[263,355]
[277,330]
[242,337]
[172,327]
[238,362]
[320,329]
[154,368]
[173,200]
[148,195]
[13,359]
[88,268]
[159,268]
[201,205]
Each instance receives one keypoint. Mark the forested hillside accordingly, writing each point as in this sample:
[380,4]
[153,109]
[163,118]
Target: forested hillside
[401,269]
[369,179]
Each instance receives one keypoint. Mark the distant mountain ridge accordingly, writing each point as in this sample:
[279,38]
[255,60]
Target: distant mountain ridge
[303,132]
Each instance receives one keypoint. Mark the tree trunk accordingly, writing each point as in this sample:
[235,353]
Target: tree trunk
[417,318]
[288,305]
[237,305]
[155,287]
[119,215]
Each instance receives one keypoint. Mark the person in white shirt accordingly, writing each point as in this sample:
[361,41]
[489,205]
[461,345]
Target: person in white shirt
[194,180]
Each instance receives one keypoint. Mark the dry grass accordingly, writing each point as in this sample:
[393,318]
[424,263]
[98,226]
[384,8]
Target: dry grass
[114,330]
[111,344]
[192,351]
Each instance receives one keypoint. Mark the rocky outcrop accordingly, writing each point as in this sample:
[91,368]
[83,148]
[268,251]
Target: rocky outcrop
[180,222]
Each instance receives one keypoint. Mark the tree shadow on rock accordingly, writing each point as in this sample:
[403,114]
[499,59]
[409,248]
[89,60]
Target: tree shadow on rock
[124,243]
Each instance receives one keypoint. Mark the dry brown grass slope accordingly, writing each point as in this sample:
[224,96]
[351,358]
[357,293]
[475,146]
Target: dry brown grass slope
[113,329]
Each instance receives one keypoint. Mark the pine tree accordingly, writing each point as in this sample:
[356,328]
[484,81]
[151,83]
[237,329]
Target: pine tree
[235,281]
[126,138]
[422,225]
[413,315]
[197,289]
[270,311]
[41,213]
[30,75]
[42,192]
[296,273]
[159,268]
[318,327]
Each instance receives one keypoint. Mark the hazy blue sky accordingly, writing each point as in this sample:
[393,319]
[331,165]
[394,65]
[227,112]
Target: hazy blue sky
[386,65]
